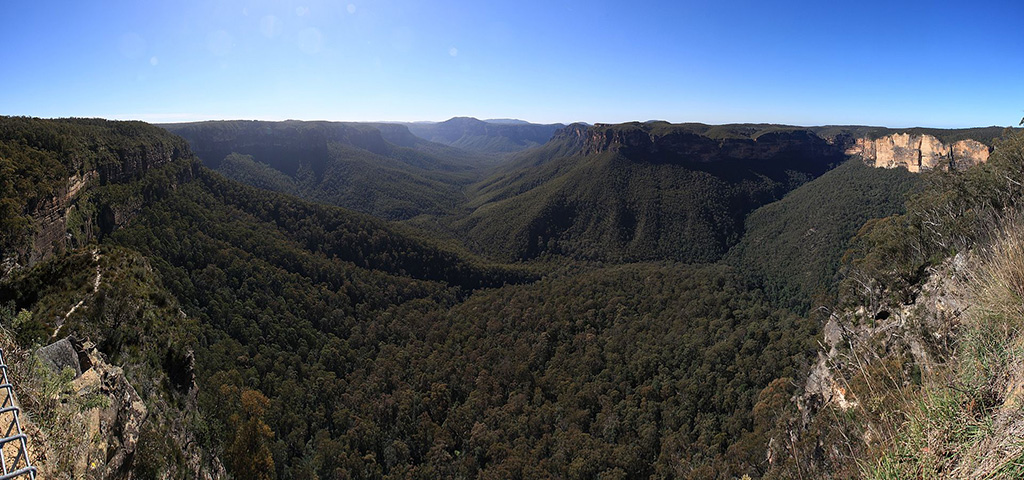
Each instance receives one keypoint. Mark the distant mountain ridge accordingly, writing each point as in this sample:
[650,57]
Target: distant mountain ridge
[613,192]
[603,191]
[507,121]
[381,169]
[486,136]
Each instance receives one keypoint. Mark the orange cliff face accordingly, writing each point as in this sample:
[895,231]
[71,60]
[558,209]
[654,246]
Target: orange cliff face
[918,153]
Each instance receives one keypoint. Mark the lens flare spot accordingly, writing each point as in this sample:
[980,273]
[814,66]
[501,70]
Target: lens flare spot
[270,26]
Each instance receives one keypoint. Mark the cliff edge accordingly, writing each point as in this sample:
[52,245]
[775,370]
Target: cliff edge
[919,153]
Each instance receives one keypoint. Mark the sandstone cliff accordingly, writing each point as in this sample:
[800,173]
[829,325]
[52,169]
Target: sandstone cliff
[88,188]
[51,219]
[919,152]
[701,144]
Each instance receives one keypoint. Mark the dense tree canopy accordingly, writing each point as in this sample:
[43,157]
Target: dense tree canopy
[333,344]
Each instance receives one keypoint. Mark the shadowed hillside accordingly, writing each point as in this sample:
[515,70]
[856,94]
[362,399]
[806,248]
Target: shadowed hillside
[796,243]
[378,169]
[638,192]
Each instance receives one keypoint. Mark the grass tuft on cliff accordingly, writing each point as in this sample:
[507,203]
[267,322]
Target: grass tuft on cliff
[967,421]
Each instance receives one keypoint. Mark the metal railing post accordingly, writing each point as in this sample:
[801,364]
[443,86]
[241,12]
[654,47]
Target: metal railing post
[20,465]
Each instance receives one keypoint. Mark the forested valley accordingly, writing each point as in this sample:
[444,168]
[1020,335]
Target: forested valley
[308,300]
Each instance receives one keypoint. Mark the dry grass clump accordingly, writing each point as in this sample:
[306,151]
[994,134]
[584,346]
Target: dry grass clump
[968,421]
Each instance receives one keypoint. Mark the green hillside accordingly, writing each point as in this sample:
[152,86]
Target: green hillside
[309,306]
[796,243]
[636,192]
[380,169]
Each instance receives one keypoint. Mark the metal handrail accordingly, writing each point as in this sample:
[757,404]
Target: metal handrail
[14,433]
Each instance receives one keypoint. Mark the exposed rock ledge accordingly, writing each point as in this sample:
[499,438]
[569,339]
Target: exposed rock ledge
[113,425]
[919,152]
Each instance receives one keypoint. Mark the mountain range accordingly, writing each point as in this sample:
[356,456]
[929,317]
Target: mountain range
[485,136]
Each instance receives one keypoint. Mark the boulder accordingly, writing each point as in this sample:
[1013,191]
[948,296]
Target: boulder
[60,355]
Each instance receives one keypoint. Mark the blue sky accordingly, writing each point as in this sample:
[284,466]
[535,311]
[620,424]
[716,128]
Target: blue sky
[894,63]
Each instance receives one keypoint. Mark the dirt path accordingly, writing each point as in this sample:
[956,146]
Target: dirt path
[95,287]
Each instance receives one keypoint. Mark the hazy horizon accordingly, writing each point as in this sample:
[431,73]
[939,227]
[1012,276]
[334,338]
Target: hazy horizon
[497,120]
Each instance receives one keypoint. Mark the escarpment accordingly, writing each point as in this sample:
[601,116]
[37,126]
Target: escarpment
[283,145]
[696,143]
[642,191]
[77,215]
[87,188]
[73,216]
[678,143]
[918,153]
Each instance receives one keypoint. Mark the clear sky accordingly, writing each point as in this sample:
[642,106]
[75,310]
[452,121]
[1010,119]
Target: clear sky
[893,62]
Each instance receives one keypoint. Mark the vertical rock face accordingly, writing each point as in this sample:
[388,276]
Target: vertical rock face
[918,153]
[51,218]
[132,162]
[64,220]
[968,150]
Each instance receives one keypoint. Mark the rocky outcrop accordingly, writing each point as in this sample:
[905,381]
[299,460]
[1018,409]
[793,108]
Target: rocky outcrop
[918,153]
[114,428]
[876,351]
[922,330]
[60,355]
[114,415]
